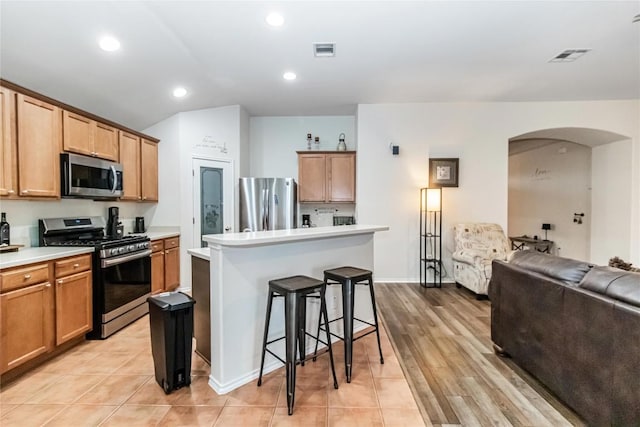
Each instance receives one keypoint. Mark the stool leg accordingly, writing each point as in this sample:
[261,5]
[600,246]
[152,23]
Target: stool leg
[375,317]
[323,313]
[291,333]
[302,325]
[322,301]
[266,333]
[347,311]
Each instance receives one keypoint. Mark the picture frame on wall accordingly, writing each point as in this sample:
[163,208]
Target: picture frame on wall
[443,173]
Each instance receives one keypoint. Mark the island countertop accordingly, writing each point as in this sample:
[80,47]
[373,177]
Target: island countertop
[259,238]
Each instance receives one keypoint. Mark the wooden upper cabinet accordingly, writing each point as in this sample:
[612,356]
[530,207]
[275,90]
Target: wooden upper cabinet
[39,146]
[130,159]
[105,143]
[86,136]
[149,170]
[311,177]
[8,159]
[327,177]
[78,133]
[341,177]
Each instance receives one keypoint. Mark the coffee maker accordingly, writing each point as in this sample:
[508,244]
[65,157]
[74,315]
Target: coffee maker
[115,229]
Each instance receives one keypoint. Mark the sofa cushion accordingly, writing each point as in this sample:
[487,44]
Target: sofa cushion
[615,283]
[565,269]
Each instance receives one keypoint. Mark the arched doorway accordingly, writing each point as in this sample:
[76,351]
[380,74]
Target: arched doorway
[579,181]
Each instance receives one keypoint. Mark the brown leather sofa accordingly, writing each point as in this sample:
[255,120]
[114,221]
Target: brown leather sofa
[576,328]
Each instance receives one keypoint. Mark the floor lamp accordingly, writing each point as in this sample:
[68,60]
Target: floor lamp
[431,237]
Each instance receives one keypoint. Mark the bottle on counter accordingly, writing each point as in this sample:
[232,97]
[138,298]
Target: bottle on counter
[308,141]
[4,230]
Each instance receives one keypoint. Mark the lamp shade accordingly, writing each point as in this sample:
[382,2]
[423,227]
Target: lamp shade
[546,226]
[434,199]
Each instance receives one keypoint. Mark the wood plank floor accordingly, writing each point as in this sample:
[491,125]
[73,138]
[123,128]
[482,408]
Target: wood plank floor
[443,342]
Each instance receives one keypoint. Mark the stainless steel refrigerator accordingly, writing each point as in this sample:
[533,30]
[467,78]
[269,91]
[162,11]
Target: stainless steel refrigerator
[268,204]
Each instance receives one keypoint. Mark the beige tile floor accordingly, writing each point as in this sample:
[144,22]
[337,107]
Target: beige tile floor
[111,383]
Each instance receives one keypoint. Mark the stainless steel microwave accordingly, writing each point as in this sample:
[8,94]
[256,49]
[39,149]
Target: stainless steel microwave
[88,177]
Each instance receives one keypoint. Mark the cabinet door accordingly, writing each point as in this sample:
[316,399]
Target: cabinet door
[341,177]
[77,133]
[8,161]
[26,325]
[149,170]
[157,272]
[172,268]
[73,306]
[105,143]
[311,177]
[39,135]
[130,159]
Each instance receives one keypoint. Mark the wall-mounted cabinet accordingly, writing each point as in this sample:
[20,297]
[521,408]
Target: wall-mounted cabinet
[327,177]
[86,136]
[8,159]
[36,129]
[39,127]
[139,158]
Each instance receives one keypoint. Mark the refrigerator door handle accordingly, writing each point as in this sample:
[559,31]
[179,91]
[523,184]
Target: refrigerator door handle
[265,212]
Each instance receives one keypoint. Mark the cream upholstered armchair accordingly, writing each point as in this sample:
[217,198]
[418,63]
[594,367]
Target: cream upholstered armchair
[476,246]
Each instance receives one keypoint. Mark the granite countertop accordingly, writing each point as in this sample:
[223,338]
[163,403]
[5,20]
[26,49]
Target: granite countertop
[258,238]
[39,254]
[203,253]
[160,233]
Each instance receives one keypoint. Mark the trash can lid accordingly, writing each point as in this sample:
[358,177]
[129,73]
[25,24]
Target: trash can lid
[171,301]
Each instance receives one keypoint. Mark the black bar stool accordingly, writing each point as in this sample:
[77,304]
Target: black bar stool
[295,291]
[349,277]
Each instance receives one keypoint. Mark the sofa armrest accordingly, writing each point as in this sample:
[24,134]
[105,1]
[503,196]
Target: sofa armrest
[475,257]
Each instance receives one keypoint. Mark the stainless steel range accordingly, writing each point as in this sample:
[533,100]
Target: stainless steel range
[121,269]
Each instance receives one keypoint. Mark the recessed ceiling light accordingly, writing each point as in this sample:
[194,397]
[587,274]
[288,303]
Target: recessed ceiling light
[289,75]
[275,19]
[179,92]
[109,43]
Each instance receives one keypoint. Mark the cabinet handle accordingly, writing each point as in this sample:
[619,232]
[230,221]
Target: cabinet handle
[27,276]
[48,285]
[24,192]
[11,192]
[76,265]
[60,282]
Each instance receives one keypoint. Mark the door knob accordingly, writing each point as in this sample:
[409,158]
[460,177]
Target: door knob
[227,228]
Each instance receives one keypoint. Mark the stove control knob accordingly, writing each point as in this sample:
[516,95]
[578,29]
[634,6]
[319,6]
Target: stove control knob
[113,251]
[121,249]
[146,245]
[131,248]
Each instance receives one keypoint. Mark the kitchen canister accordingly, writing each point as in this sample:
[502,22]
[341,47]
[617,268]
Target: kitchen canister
[341,144]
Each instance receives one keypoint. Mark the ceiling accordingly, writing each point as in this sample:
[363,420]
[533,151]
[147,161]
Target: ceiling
[386,52]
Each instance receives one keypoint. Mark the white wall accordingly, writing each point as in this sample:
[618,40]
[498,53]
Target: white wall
[477,133]
[275,140]
[612,179]
[548,185]
[214,133]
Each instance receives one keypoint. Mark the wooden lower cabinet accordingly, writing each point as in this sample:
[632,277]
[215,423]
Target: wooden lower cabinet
[73,306]
[42,306]
[165,265]
[157,272]
[26,325]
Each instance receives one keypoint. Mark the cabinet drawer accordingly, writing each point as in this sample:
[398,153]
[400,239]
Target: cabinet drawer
[173,242]
[157,245]
[23,276]
[73,265]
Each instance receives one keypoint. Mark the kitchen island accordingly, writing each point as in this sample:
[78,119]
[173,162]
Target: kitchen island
[241,265]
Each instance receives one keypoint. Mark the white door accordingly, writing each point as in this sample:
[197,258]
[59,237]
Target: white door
[212,198]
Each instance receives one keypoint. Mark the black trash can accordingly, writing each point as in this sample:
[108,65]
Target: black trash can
[171,321]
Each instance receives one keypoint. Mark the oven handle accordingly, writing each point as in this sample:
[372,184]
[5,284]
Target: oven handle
[110,262]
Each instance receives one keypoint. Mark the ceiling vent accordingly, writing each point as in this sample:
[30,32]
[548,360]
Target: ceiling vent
[324,49]
[569,55]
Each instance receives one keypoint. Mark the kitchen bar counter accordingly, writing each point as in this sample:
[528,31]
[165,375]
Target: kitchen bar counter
[40,254]
[241,265]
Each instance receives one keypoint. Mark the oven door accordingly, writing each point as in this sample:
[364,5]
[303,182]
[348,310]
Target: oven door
[122,284]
